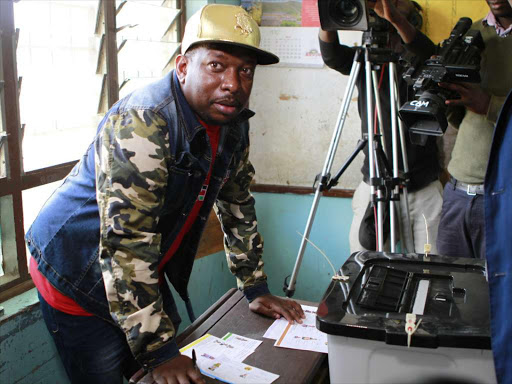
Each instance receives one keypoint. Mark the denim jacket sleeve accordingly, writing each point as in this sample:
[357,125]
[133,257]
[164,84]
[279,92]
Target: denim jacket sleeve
[242,241]
[132,152]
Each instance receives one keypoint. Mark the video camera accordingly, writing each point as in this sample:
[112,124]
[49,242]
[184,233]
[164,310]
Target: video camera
[349,15]
[458,61]
[354,15]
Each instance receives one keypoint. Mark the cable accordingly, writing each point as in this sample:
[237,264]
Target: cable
[319,250]
[426,247]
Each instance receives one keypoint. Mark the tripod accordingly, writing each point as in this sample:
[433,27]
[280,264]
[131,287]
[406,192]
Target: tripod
[382,190]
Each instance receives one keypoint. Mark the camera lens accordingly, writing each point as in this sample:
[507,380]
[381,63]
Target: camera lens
[346,12]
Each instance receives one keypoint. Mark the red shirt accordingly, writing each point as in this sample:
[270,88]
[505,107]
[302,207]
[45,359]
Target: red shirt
[67,305]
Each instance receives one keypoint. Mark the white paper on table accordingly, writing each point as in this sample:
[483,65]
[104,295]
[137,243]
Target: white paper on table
[303,336]
[277,328]
[241,341]
[214,359]
[210,346]
[234,372]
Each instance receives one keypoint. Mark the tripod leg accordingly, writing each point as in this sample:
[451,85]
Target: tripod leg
[394,138]
[375,82]
[371,154]
[354,73]
[406,228]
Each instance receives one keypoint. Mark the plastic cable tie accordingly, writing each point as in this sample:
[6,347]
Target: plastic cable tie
[410,326]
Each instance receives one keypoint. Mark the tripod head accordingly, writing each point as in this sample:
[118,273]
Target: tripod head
[376,41]
[374,52]
[377,35]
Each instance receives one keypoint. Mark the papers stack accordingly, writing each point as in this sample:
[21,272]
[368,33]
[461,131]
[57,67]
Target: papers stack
[221,359]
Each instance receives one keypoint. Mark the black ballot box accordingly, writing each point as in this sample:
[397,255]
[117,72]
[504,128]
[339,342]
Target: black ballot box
[403,318]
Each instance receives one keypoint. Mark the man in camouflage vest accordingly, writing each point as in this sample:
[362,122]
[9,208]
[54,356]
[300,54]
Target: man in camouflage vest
[132,211]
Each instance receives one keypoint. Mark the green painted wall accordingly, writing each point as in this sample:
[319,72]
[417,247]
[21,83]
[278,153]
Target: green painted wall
[280,217]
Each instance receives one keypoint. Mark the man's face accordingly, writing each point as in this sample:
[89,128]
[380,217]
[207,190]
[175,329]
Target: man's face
[217,81]
[500,8]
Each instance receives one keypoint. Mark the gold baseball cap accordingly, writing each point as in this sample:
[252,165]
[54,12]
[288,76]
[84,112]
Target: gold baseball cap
[226,24]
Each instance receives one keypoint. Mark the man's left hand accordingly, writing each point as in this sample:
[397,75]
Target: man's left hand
[385,9]
[276,307]
[472,96]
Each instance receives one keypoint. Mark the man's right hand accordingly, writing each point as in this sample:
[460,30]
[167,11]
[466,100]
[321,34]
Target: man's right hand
[386,9]
[180,370]
[396,13]
[472,96]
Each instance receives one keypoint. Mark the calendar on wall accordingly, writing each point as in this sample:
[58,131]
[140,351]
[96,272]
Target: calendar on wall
[295,46]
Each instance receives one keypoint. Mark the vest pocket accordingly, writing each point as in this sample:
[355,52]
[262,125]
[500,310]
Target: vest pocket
[184,183]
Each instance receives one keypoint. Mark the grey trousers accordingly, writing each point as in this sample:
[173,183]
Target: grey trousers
[428,201]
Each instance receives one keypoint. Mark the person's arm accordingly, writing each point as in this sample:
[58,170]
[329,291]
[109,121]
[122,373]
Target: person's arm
[328,36]
[244,244]
[131,179]
[414,40]
[242,241]
[335,55]
[387,10]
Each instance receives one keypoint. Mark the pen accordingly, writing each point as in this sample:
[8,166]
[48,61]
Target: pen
[194,359]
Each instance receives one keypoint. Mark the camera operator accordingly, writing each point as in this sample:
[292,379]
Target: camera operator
[425,189]
[461,230]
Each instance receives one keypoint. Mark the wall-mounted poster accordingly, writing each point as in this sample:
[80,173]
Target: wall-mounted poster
[283,13]
[295,46]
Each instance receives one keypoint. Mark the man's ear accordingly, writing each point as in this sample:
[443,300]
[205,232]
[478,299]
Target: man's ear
[181,67]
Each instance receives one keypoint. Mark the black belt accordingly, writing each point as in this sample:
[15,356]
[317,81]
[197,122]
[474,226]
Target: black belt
[470,189]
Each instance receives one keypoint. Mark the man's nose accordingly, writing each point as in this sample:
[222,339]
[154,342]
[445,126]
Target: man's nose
[231,80]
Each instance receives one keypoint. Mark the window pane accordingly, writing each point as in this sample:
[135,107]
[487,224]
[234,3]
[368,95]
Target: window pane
[147,41]
[8,256]
[33,200]
[3,137]
[57,58]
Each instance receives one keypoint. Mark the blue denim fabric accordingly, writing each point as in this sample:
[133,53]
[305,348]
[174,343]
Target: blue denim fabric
[64,238]
[91,349]
[498,224]
[461,231]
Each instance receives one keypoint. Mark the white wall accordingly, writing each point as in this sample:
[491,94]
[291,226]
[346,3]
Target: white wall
[296,111]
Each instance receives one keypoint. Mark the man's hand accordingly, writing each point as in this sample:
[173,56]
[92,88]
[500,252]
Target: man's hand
[180,370]
[275,307]
[386,9]
[396,12]
[472,96]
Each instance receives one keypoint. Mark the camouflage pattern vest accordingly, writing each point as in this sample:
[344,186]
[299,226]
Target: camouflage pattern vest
[64,237]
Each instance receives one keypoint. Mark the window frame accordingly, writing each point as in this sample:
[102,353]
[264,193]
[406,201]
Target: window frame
[16,180]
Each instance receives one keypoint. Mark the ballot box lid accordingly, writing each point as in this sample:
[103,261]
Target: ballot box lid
[375,291]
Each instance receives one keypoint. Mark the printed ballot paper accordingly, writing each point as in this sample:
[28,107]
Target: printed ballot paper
[303,336]
[221,359]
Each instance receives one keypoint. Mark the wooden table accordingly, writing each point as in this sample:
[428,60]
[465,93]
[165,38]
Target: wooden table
[231,313]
